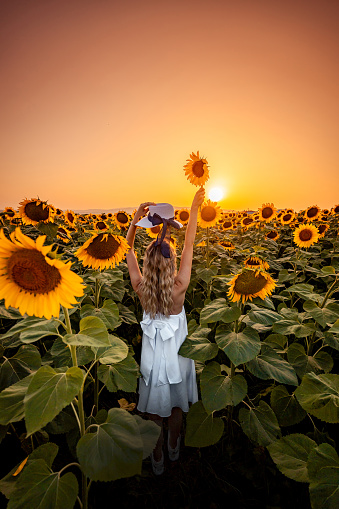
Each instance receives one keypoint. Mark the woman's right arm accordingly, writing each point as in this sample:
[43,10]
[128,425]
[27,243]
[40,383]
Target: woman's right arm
[184,275]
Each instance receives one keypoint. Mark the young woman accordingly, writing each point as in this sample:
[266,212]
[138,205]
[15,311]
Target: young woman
[168,382]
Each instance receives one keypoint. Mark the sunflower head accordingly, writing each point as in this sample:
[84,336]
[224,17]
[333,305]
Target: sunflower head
[36,211]
[272,235]
[101,226]
[64,234]
[33,282]
[103,250]
[322,229]
[267,212]
[305,235]
[9,213]
[209,214]
[227,224]
[183,216]
[70,217]
[196,169]
[154,231]
[335,210]
[247,221]
[250,283]
[255,262]
[287,217]
[312,213]
[122,219]
[226,244]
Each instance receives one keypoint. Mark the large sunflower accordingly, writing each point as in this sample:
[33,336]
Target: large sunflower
[196,169]
[103,251]
[312,213]
[250,283]
[306,235]
[122,219]
[32,282]
[36,211]
[267,212]
[209,214]
[183,216]
[287,217]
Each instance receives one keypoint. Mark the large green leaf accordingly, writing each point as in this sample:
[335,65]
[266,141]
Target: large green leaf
[12,401]
[288,327]
[198,347]
[324,316]
[218,390]
[149,435]
[269,364]
[239,347]
[48,393]
[263,316]
[126,314]
[120,376]
[34,324]
[24,362]
[40,488]
[323,472]
[93,332]
[260,424]
[108,313]
[304,363]
[286,406]
[115,449]
[62,354]
[207,274]
[219,310]
[305,291]
[319,395]
[290,454]
[335,328]
[202,429]
[116,352]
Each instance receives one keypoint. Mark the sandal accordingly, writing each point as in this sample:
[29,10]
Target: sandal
[158,466]
[173,454]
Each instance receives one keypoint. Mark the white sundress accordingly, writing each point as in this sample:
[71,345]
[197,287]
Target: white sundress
[168,379]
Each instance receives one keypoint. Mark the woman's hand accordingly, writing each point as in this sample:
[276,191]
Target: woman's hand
[198,198]
[142,210]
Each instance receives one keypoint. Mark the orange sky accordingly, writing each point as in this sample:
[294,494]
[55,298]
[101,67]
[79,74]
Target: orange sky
[104,100]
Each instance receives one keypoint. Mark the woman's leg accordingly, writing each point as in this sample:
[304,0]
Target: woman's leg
[157,451]
[174,426]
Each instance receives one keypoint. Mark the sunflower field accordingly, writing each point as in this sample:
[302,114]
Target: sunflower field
[263,319]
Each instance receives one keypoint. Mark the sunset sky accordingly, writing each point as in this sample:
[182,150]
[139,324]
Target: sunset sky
[102,101]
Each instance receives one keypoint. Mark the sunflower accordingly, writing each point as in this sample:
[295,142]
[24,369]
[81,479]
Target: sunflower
[312,213]
[9,213]
[183,216]
[267,212]
[226,244]
[36,211]
[306,235]
[335,210]
[101,225]
[255,262]
[154,231]
[32,282]
[70,217]
[64,234]
[322,229]
[196,169]
[122,219]
[103,251]
[227,224]
[250,283]
[272,235]
[287,217]
[209,214]
[247,221]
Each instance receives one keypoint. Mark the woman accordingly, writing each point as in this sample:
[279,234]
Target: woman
[168,382]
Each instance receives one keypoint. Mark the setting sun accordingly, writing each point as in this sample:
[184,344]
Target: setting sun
[216,193]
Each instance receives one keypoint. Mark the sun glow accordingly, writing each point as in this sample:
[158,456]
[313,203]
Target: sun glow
[216,193]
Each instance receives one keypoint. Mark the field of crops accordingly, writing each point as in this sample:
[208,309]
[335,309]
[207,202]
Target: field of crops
[263,317]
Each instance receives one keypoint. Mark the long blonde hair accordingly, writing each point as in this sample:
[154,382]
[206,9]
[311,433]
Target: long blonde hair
[158,275]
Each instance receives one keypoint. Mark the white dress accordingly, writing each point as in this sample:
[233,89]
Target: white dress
[168,379]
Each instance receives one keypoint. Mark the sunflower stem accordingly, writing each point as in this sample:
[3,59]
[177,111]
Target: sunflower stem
[97,292]
[328,293]
[208,248]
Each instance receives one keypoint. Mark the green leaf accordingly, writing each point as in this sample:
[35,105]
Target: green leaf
[149,432]
[331,340]
[198,347]
[127,314]
[93,332]
[120,376]
[24,362]
[328,270]
[269,364]
[335,328]
[62,354]
[38,487]
[202,429]
[48,393]
[239,347]
[263,316]
[323,316]
[108,313]
[260,424]
[290,454]
[286,407]
[277,342]
[319,395]
[323,471]
[207,274]
[12,401]
[116,352]
[115,449]
[50,229]
[31,322]
[219,310]
[218,390]
[293,327]
[304,363]
[10,313]
[305,291]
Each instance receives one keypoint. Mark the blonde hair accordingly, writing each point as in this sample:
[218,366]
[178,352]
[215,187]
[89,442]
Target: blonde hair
[158,275]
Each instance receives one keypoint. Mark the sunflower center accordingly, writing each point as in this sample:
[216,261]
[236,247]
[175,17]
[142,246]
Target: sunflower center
[103,248]
[184,215]
[305,235]
[267,212]
[208,213]
[62,230]
[248,283]
[287,217]
[247,220]
[198,168]
[312,212]
[101,225]
[30,271]
[70,217]
[336,209]
[322,228]
[155,229]
[272,235]
[122,218]
[10,213]
[36,212]
[227,224]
